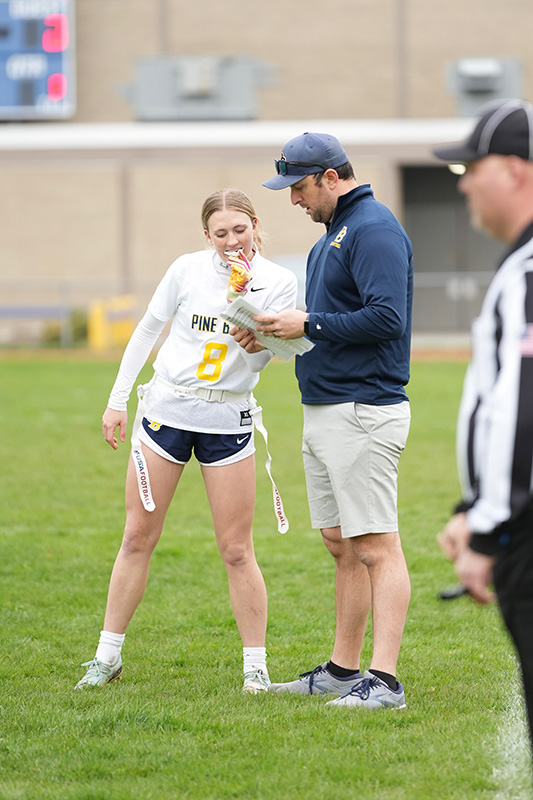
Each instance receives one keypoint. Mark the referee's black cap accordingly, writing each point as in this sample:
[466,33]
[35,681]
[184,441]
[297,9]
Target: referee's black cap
[505,128]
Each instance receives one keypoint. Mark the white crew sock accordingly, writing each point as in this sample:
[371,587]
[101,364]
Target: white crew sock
[109,647]
[254,658]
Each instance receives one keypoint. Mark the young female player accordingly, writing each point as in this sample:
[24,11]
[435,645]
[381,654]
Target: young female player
[200,398]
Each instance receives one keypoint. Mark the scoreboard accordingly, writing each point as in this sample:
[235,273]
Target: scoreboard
[37,59]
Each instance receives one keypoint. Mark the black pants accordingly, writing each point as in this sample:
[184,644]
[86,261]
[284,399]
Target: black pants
[513,582]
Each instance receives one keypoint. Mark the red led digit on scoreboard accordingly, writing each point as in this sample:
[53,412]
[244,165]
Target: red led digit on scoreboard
[56,33]
[57,86]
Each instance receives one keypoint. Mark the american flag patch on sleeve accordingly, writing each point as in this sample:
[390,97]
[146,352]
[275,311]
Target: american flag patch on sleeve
[526,342]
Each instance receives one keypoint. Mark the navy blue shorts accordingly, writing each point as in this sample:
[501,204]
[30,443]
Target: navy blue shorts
[211,449]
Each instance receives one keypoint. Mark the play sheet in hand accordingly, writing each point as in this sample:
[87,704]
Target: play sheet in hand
[241,313]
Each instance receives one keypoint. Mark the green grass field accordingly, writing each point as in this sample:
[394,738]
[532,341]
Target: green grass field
[177,725]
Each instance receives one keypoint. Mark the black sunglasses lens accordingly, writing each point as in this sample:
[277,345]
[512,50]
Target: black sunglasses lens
[281,167]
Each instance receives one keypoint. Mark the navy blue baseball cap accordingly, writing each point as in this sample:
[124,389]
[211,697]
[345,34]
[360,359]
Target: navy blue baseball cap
[505,128]
[306,155]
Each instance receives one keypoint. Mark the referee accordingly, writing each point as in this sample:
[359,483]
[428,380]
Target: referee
[490,537]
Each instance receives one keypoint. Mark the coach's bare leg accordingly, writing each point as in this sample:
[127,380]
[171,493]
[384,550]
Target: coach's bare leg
[141,534]
[352,599]
[231,493]
[382,554]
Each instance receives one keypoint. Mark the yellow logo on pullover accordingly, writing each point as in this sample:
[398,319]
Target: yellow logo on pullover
[339,237]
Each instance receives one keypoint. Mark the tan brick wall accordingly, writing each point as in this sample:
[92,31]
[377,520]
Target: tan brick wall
[333,59]
[110,36]
[60,230]
[344,59]
[441,31]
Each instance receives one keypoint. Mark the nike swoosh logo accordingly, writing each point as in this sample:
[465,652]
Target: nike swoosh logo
[240,441]
[259,288]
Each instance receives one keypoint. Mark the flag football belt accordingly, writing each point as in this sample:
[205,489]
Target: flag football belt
[212,396]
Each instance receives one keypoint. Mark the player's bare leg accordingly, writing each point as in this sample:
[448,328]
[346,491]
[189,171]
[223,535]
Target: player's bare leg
[352,599]
[130,571]
[141,534]
[231,494]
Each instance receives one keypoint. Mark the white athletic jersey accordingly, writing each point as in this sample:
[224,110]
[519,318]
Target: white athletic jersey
[199,350]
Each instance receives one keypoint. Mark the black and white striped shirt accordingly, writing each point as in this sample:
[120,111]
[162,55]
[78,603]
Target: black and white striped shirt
[495,426]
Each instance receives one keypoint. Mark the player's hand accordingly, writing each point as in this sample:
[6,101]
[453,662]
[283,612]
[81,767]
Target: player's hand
[475,573]
[240,273]
[287,324]
[110,422]
[454,538]
[246,339]
[239,261]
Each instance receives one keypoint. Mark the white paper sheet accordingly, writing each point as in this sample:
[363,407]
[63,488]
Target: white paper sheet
[241,313]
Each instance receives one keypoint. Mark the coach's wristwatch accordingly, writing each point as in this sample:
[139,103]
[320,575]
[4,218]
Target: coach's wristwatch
[306,325]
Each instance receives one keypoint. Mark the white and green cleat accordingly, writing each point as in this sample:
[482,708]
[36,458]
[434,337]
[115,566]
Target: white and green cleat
[255,682]
[98,673]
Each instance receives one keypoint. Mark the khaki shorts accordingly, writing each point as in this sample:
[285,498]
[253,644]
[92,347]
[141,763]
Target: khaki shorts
[351,453]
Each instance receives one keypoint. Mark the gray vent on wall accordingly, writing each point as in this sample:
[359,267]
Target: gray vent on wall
[477,81]
[197,88]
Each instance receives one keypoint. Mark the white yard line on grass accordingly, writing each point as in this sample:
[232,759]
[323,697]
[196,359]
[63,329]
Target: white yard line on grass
[511,749]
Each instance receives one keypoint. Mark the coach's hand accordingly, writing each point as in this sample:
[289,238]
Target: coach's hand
[287,324]
[110,422]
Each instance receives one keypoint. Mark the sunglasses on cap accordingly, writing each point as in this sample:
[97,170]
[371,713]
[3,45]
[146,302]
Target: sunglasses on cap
[282,166]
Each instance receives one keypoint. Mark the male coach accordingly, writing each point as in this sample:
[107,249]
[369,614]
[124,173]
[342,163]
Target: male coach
[491,535]
[356,412]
